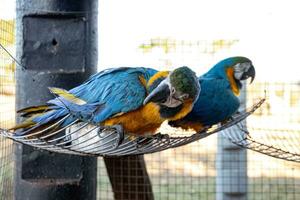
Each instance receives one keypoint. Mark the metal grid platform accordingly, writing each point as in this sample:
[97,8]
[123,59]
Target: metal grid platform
[85,139]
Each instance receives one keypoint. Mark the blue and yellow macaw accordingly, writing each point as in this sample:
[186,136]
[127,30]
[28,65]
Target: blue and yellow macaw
[220,88]
[136,100]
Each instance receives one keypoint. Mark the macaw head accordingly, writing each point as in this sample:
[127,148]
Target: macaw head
[243,68]
[234,69]
[180,86]
[240,68]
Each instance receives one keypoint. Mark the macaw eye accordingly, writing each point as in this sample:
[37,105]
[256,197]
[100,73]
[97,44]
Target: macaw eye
[185,96]
[173,90]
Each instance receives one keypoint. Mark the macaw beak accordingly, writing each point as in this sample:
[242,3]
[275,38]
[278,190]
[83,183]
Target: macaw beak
[160,94]
[249,73]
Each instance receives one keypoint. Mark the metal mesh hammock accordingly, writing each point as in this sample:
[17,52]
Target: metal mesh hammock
[247,140]
[84,139]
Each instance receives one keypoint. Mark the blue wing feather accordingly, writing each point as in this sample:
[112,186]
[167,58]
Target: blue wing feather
[119,90]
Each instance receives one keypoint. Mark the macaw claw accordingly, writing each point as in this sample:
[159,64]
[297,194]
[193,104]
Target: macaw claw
[143,141]
[120,131]
[116,129]
[161,137]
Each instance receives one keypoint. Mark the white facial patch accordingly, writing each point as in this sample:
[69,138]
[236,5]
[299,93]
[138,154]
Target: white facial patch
[172,103]
[240,69]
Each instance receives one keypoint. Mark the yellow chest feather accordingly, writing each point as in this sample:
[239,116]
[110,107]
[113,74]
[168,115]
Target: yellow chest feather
[186,109]
[144,120]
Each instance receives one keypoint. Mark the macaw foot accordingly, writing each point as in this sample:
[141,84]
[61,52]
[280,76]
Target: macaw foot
[116,129]
[231,118]
[145,140]
[120,131]
[205,128]
[161,137]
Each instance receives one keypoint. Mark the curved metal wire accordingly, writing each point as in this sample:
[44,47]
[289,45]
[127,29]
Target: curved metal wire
[242,138]
[83,138]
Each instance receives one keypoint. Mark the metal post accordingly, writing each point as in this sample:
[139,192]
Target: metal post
[57,43]
[129,178]
[231,181]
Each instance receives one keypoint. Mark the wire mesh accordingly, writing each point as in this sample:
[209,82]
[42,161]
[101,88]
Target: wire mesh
[282,139]
[7,28]
[189,172]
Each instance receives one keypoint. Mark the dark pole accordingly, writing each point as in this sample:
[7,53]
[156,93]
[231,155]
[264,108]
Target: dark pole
[129,178]
[57,43]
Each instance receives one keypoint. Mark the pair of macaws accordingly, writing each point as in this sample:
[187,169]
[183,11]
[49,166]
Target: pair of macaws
[137,100]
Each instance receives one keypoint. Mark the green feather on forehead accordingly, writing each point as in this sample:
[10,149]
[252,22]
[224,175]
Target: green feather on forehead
[185,81]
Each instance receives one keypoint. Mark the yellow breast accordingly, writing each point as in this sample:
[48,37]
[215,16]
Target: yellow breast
[144,120]
[186,109]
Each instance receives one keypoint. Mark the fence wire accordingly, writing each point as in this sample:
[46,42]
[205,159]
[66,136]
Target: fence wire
[189,172]
[7,105]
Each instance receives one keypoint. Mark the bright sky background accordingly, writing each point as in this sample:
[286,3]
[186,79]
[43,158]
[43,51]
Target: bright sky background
[7,9]
[268,31]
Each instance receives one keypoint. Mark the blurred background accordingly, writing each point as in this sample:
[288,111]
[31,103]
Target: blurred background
[168,34]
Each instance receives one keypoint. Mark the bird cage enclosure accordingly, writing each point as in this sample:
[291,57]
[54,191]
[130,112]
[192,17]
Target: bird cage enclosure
[7,98]
[253,159]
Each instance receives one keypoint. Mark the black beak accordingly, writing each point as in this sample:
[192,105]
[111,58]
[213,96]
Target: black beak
[159,94]
[249,73]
